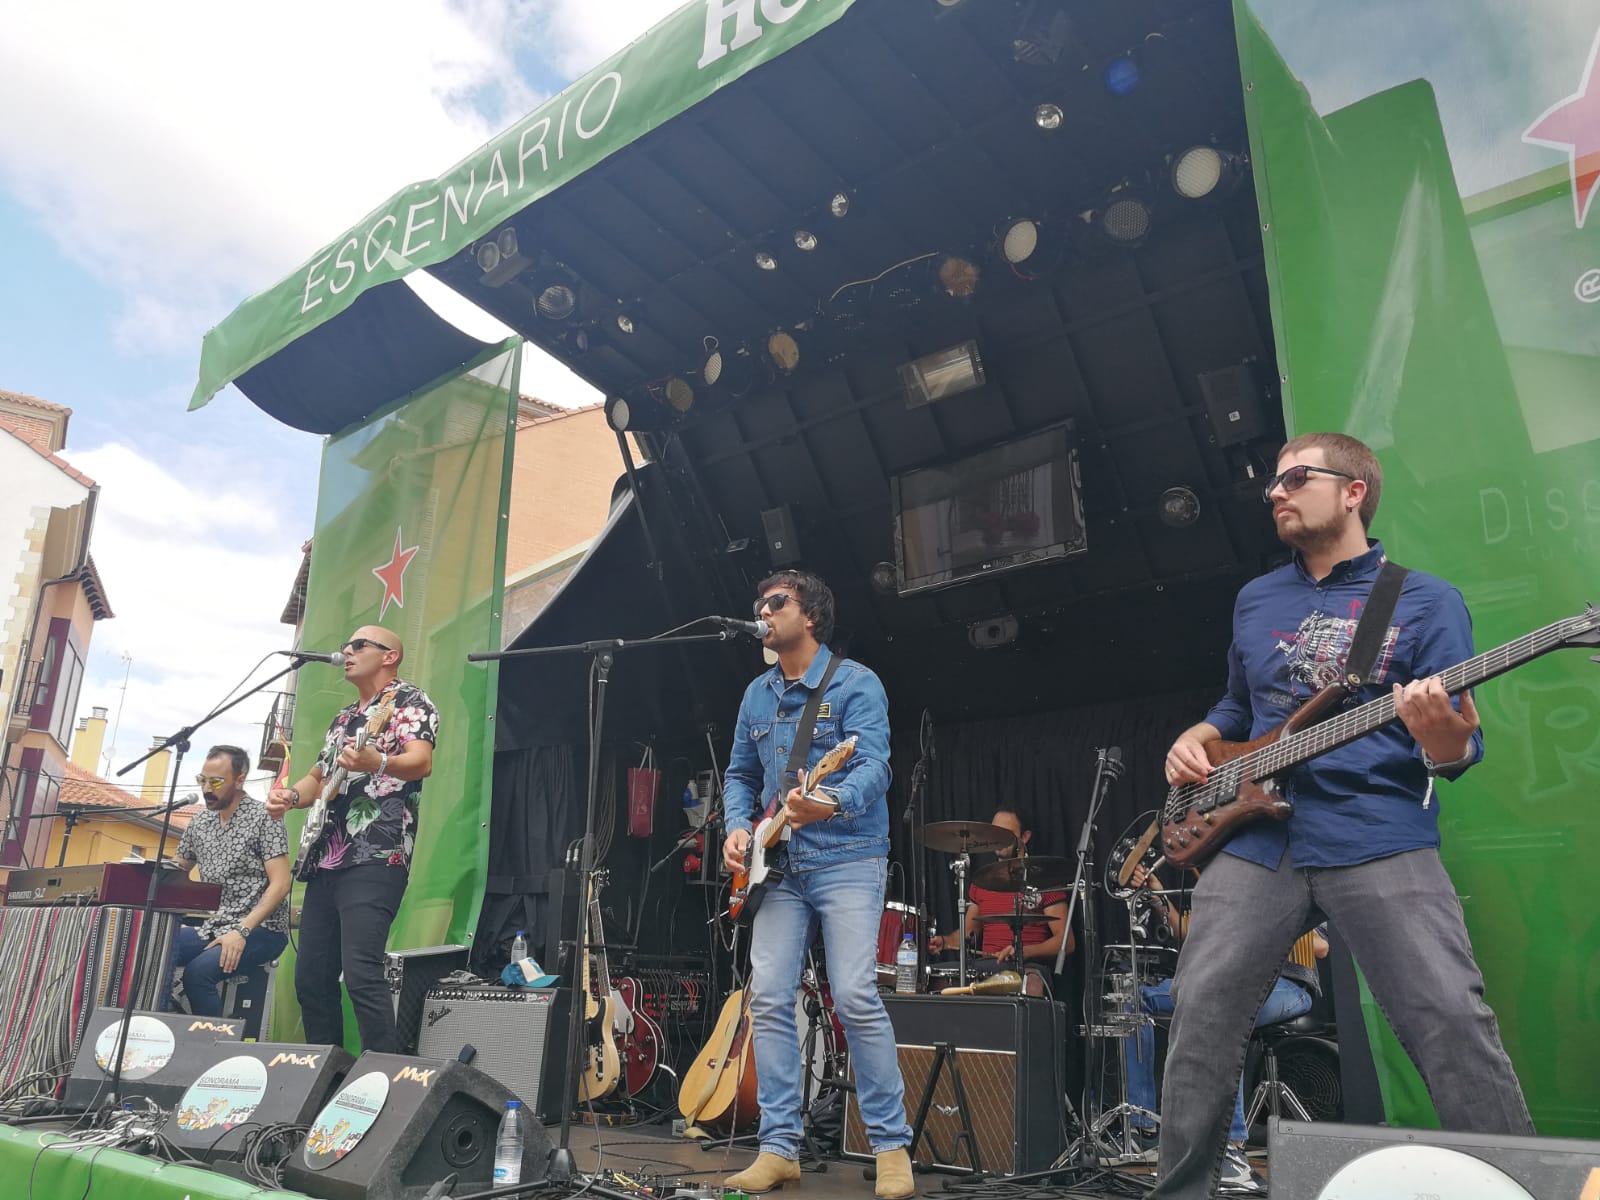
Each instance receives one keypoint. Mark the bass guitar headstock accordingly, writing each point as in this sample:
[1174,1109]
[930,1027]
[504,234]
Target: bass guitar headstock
[1583,629]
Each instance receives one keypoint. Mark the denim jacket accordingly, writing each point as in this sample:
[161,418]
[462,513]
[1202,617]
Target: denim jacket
[769,717]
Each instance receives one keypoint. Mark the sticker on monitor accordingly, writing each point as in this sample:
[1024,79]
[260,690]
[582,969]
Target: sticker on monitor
[224,1096]
[149,1047]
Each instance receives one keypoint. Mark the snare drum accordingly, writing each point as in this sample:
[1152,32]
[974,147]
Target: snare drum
[897,921]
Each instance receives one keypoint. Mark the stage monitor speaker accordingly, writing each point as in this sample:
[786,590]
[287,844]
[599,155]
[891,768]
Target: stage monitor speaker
[238,1088]
[152,1059]
[783,540]
[1236,403]
[1008,1052]
[409,974]
[398,1125]
[514,1031]
[1316,1161]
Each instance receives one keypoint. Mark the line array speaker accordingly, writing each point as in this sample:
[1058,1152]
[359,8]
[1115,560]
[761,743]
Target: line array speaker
[1008,1053]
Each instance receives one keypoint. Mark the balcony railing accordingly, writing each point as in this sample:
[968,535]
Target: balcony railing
[277,732]
[27,688]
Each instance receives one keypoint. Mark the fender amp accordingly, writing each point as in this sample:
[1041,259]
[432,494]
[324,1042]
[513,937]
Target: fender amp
[399,1125]
[1317,1161]
[1006,1116]
[152,1058]
[517,1033]
[409,974]
[237,1088]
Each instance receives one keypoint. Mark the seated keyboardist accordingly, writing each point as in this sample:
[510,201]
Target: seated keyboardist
[239,846]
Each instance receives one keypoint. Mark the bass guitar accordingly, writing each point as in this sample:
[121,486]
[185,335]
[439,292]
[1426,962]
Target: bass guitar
[315,831]
[602,1064]
[761,859]
[1198,818]
[719,1088]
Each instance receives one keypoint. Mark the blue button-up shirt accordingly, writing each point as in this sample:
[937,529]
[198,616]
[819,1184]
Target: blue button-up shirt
[769,719]
[1291,635]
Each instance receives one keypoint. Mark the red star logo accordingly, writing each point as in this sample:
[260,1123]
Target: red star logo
[1573,125]
[393,574]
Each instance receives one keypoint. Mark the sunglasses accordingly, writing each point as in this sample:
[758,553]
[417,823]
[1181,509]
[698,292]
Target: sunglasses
[1295,478]
[775,602]
[211,783]
[359,644]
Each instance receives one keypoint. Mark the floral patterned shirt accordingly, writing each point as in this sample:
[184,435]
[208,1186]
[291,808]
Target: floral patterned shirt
[235,855]
[374,817]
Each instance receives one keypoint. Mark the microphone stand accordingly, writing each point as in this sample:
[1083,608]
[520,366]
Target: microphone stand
[916,816]
[179,742]
[602,653]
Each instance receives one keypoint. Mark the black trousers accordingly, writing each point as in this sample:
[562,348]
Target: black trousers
[344,926]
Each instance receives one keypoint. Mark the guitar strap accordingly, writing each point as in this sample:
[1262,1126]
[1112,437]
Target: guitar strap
[1374,624]
[804,734]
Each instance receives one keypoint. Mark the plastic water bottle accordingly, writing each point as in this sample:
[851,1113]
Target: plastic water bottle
[508,1145]
[905,967]
[519,946]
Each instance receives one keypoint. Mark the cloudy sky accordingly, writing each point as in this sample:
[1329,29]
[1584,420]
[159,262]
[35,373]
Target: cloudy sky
[158,164]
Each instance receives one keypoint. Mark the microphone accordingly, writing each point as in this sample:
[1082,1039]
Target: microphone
[756,629]
[333,658]
[1113,765]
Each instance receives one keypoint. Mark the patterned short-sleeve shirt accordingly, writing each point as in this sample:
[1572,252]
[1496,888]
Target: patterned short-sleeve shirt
[374,819]
[235,855]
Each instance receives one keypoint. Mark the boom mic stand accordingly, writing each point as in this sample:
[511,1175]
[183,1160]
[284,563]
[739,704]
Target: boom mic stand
[602,654]
[916,817]
[179,742]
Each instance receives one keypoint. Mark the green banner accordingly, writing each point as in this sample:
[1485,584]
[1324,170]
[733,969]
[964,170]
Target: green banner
[1458,338]
[47,1165]
[702,47]
[411,535]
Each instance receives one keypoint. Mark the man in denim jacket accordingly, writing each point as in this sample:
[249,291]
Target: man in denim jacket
[837,855]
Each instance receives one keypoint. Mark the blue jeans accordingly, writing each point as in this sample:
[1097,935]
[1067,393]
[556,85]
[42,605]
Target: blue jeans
[1285,1002]
[846,899]
[202,968]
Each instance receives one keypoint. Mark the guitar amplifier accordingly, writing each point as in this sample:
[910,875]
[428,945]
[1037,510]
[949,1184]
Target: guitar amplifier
[518,1033]
[1008,1053]
[410,974]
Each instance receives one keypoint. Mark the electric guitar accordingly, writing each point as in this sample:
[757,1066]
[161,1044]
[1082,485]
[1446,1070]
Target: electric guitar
[761,868]
[1198,818]
[602,1065]
[315,831]
[644,1041]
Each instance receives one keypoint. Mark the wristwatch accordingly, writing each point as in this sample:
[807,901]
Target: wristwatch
[242,930]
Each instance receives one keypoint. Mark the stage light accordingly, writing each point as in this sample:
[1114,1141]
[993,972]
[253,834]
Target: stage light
[1122,75]
[839,205]
[624,323]
[1048,117]
[765,261]
[883,579]
[711,369]
[499,258]
[1179,507]
[783,350]
[1041,33]
[634,416]
[1020,240]
[944,373]
[1203,172]
[679,394]
[555,294]
[1124,218]
[957,276]
[805,240]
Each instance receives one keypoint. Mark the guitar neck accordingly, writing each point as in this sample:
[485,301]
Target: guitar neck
[1347,727]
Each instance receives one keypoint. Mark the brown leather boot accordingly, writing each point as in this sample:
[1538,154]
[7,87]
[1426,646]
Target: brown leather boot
[768,1172]
[894,1176]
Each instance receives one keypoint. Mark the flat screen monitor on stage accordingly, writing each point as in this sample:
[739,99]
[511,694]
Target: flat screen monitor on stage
[1012,505]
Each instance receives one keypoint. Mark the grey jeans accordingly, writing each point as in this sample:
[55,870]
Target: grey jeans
[1403,923]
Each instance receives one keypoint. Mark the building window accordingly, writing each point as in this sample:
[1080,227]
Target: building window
[55,694]
[28,791]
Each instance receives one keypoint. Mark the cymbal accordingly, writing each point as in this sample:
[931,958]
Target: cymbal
[1015,920]
[958,837]
[1014,874]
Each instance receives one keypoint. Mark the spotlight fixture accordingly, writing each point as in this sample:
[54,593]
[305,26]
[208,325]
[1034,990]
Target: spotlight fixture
[1020,240]
[1179,507]
[711,369]
[944,373]
[499,258]
[1041,33]
[1048,117]
[783,350]
[1122,75]
[1124,218]
[883,578]
[624,323]
[839,205]
[805,240]
[679,394]
[578,340]
[957,276]
[555,294]
[634,416]
[765,261]
[1030,247]
[1204,172]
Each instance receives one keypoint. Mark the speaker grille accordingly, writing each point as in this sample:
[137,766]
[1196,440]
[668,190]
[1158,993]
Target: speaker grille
[510,1030]
[989,1079]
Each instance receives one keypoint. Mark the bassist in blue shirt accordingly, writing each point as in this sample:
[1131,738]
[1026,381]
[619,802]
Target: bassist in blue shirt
[1362,844]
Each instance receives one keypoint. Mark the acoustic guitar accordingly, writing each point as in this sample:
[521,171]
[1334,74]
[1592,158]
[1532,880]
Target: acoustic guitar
[315,831]
[1198,818]
[762,854]
[719,1087]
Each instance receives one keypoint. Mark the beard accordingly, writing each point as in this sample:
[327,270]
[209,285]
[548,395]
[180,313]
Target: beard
[1308,537]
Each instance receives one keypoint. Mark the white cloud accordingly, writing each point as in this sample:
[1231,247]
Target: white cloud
[197,575]
[583,32]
